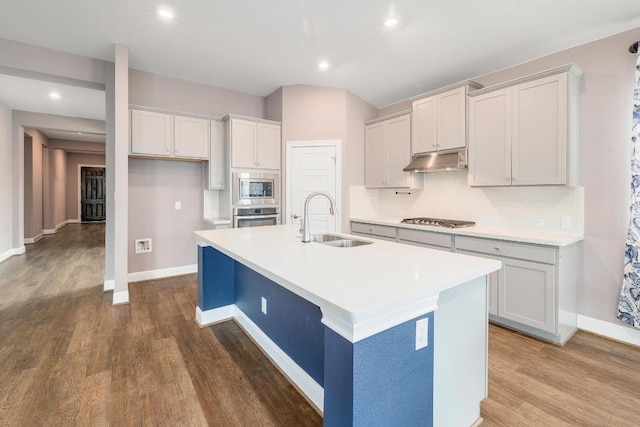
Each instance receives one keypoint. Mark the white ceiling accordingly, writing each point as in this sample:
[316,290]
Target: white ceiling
[256,46]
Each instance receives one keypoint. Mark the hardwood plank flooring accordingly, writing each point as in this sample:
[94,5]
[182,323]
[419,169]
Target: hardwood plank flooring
[68,357]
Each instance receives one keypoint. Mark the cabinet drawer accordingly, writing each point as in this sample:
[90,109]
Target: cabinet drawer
[425,237]
[544,254]
[374,230]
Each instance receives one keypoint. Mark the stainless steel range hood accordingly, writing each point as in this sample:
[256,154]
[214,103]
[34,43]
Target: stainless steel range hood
[438,162]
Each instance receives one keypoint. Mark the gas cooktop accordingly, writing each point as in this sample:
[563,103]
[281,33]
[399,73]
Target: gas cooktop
[437,222]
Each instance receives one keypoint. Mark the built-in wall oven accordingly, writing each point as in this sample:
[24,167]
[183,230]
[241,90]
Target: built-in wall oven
[255,217]
[256,200]
[255,189]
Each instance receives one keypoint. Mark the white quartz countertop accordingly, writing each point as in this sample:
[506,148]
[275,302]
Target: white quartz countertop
[217,221]
[500,233]
[359,287]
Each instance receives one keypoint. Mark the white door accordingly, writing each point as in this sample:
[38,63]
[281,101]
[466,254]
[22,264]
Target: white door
[313,168]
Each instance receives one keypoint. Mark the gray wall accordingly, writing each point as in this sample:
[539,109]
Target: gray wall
[171,181]
[315,113]
[5,180]
[59,187]
[605,152]
[154,187]
[73,179]
[154,90]
[33,192]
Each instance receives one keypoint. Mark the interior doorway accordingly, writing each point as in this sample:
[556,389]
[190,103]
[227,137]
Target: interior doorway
[314,166]
[92,194]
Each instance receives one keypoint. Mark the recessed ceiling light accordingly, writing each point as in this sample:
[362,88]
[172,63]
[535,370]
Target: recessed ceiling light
[323,65]
[165,13]
[391,22]
[55,95]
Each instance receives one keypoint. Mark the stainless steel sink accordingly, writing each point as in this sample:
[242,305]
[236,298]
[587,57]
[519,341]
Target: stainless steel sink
[338,241]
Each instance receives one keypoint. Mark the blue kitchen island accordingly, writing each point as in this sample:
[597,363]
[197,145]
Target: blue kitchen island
[379,334]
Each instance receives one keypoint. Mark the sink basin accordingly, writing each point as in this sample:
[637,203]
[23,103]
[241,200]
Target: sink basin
[338,241]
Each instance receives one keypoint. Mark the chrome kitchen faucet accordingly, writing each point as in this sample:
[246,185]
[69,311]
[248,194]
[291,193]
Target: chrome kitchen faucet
[306,235]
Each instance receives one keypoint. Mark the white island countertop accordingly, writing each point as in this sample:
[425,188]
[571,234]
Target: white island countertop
[360,290]
[541,237]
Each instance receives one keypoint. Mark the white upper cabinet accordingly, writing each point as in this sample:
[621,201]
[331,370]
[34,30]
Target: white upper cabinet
[525,132]
[440,120]
[151,133]
[387,152]
[158,134]
[254,144]
[191,138]
[217,159]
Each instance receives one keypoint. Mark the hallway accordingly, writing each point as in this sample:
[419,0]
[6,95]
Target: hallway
[69,357]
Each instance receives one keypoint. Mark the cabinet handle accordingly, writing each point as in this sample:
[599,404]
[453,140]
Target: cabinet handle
[496,248]
[514,178]
[506,178]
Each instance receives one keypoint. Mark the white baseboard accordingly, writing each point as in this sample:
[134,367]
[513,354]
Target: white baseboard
[70,221]
[121,297]
[11,252]
[618,332]
[306,384]
[46,231]
[109,285]
[216,315]
[32,240]
[162,272]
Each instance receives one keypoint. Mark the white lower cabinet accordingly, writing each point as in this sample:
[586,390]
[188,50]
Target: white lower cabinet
[535,291]
[383,232]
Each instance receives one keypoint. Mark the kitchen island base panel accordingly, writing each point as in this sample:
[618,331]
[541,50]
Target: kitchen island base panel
[381,374]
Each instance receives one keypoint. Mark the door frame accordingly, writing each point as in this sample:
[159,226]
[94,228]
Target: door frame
[80,166]
[290,145]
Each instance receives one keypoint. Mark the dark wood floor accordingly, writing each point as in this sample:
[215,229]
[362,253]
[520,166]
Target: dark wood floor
[68,357]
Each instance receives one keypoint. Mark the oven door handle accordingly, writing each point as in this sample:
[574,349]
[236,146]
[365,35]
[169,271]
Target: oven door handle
[257,216]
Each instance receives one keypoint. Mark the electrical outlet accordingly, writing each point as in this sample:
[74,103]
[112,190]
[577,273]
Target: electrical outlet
[143,245]
[422,333]
[537,222]
[264,305]
[178,206]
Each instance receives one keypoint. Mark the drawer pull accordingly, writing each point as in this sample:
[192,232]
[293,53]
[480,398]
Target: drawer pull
[496,248]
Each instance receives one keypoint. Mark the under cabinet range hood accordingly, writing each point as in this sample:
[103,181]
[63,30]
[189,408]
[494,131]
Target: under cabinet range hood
[438,162]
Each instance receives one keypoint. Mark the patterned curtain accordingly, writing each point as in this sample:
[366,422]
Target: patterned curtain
[629,302]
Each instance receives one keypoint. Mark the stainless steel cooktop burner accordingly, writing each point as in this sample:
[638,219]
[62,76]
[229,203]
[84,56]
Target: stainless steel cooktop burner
[437,222]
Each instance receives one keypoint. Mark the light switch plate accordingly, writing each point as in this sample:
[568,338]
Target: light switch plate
[263,307]
[178,206]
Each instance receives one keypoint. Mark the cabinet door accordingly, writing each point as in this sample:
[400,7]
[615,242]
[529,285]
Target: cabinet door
[268,146]
[217,168]
[493,287]
[490,139]
[151,133]
[540,132]
[191,137]
[424,131]
[527,294]
[243,142]
[398,150]
[451,124]
[374,176]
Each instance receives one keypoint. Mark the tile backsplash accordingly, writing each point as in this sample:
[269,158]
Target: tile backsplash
[447,195]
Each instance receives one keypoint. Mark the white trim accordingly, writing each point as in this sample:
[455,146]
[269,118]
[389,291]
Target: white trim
[162,272]
[48,231]
[359,331]
[109,285]
[11,252]
[32,240]
[337,143]
[121,297]
[72,221]
[216,315]
[80,166]
[62,224]
[618,332]
[58,227]
[307,385]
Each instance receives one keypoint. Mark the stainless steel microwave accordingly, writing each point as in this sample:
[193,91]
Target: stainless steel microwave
[250,189]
